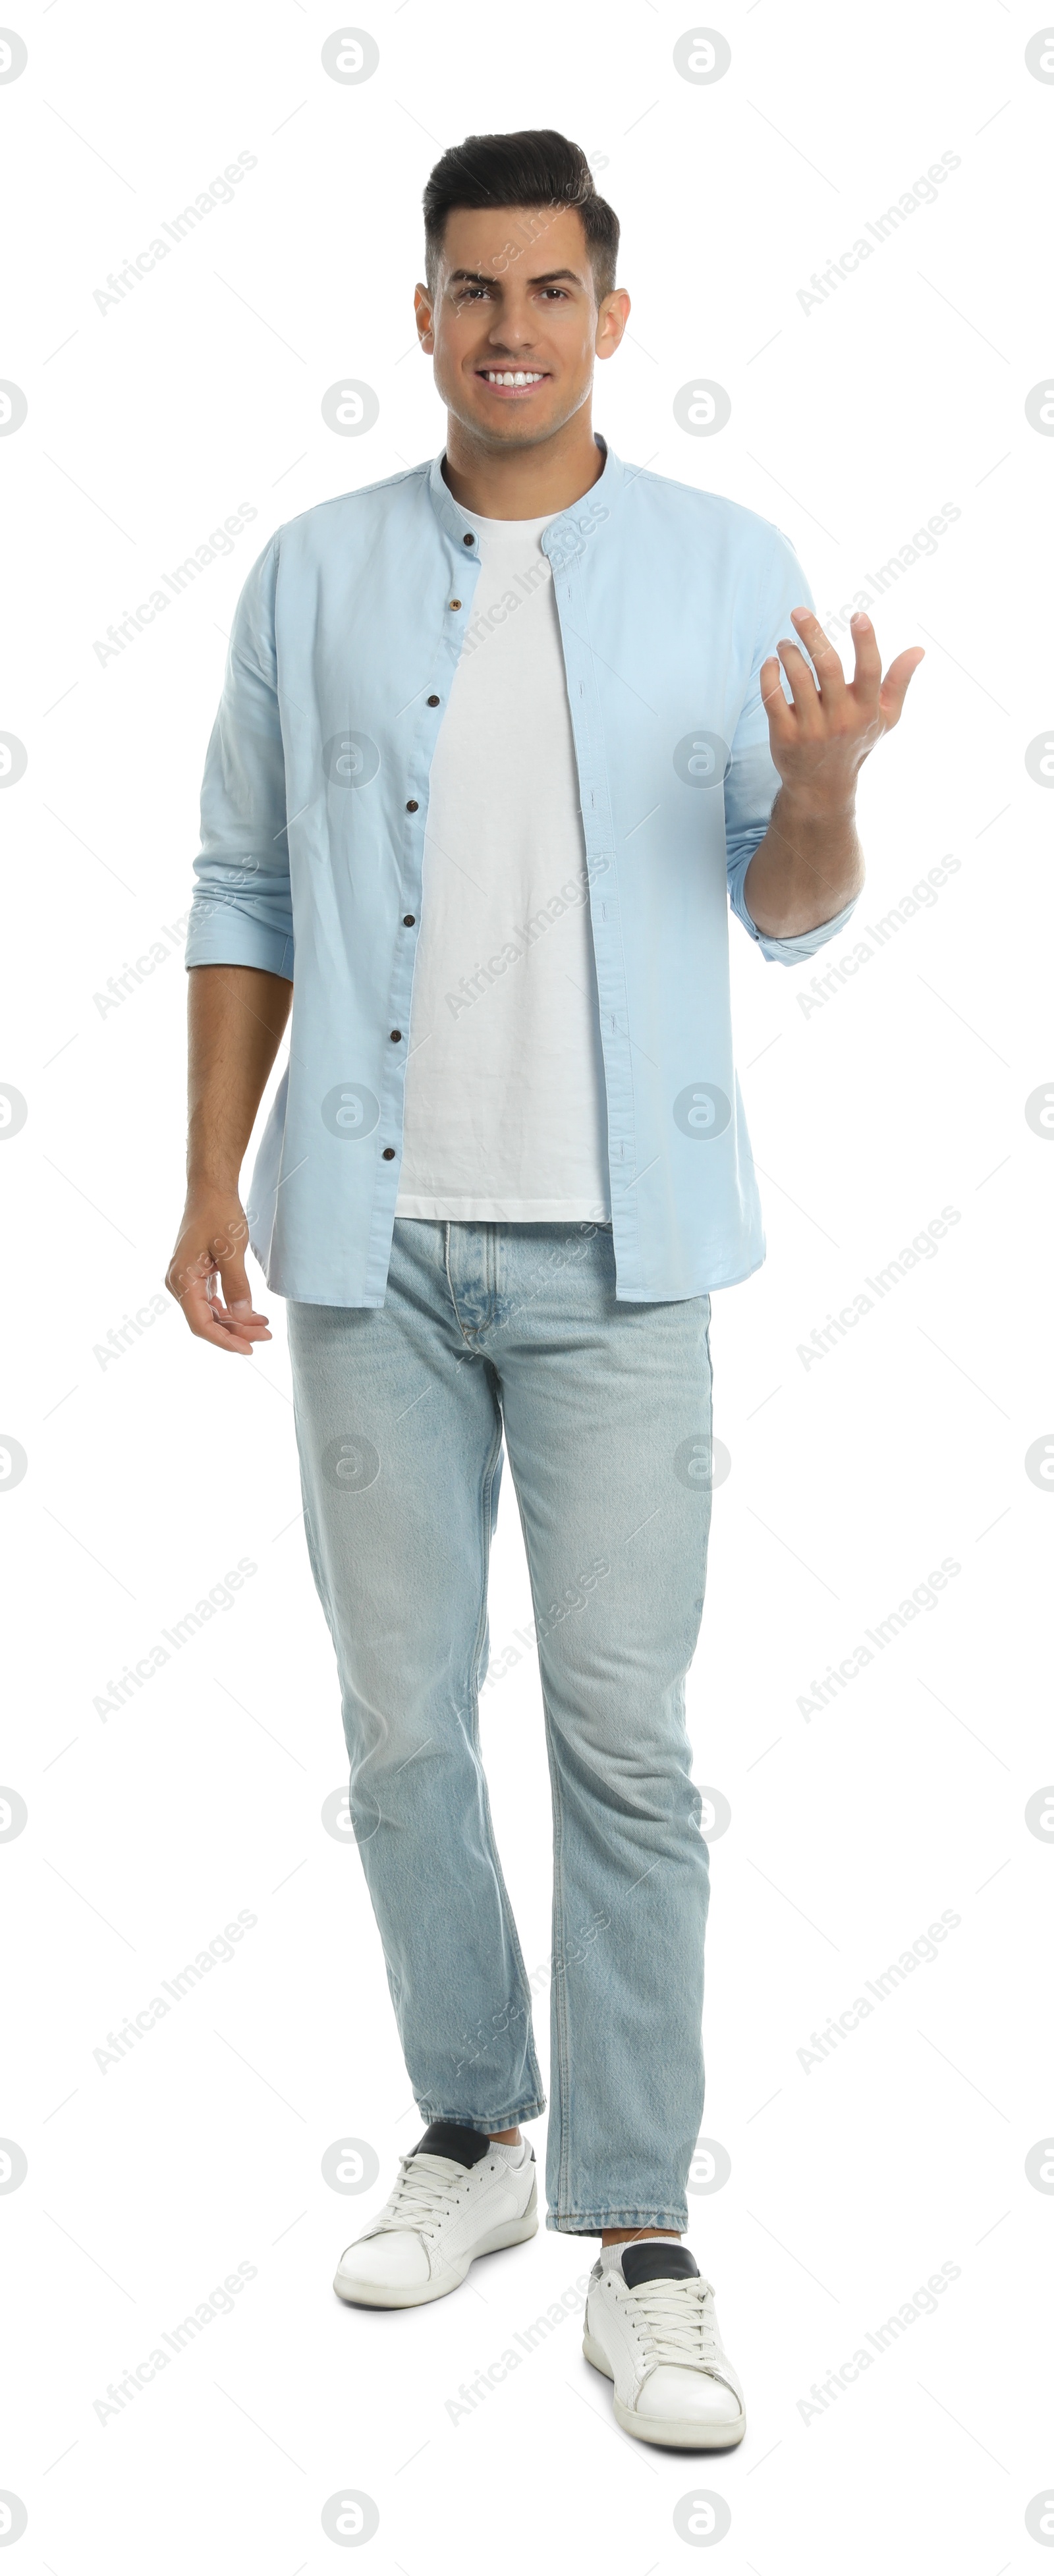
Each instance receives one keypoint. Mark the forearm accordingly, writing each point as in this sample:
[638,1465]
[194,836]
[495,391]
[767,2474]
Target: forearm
[235,1018]
[807,868]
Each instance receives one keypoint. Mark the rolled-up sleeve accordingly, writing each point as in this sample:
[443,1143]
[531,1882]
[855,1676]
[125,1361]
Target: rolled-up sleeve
[753,780]
[241,914]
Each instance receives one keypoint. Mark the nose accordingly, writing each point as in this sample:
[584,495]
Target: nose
[511,332]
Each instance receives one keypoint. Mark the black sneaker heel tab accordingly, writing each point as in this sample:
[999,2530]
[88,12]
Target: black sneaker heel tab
[653,2260]
[448,2138]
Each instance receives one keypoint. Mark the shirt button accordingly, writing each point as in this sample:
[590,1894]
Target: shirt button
[433,702]
[408,920]
[468,541]
[395,1034]
[388,1155]
[411,804]
[453,603]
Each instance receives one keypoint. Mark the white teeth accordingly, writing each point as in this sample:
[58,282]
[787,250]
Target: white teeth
[520,378]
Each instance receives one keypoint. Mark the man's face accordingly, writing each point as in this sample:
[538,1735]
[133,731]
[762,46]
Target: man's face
[515,298]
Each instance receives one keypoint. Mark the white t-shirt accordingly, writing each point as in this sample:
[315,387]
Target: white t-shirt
[505,1113]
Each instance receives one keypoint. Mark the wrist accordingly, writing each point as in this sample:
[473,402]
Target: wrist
[213,1183]
[831,808]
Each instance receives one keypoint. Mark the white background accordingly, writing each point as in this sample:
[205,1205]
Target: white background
[150,1474]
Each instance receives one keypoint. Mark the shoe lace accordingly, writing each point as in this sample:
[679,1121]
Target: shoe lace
[676,2321]
[427,2189]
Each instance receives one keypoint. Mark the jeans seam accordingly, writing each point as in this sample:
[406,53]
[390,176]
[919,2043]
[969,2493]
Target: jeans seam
[563,2060]
[508,1917]
[587,2221]
[509,2117]
[453,1293]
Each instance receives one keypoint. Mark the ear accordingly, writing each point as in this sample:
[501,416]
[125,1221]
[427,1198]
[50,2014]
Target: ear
[611,322]
[423,311]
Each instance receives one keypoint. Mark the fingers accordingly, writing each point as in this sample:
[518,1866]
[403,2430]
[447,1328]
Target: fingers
[231,1262]
[207,1277]
[827,663]
[802,686]
[895,685]
[831,721]
[783,722]
[811,703]
[195,1285]
[868,670]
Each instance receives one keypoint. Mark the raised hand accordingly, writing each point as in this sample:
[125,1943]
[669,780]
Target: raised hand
[820,741]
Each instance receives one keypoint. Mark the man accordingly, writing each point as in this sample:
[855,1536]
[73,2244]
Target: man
[499,737]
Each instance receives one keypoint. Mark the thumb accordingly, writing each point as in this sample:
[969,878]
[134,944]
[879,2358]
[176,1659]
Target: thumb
[230,1260]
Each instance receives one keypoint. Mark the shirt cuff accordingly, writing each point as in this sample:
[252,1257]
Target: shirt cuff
[221,936]
[788,951]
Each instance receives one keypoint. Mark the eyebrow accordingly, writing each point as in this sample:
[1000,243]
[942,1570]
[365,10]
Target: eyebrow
[478,277]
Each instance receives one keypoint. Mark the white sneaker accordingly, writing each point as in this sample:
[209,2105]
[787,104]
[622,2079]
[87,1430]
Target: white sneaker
[650,2326]
[459,2194]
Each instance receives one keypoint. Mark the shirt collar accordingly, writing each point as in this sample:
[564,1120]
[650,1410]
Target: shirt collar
[454,521]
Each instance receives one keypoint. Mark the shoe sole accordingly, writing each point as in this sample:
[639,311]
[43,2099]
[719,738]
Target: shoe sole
[656,2428]
[514,2232]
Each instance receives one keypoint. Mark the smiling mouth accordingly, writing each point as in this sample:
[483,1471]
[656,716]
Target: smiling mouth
[519,380]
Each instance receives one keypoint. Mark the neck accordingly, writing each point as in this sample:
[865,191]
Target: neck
[525,482]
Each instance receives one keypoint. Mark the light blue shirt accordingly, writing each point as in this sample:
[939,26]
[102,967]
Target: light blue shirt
[314,806]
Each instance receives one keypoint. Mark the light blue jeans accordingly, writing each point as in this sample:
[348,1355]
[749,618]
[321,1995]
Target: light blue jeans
[606,1414]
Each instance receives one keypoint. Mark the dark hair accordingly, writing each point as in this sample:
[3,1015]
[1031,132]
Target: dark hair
[535,168]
